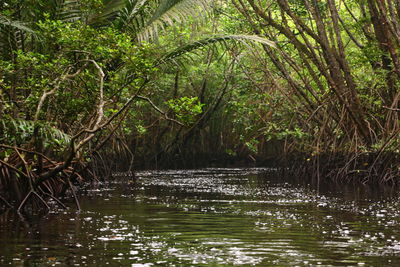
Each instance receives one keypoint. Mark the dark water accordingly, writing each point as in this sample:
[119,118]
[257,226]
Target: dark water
[211,217]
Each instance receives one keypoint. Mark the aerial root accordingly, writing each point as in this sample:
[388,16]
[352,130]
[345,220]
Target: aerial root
[55,199]
[78,206]
[31,194]
[5,202]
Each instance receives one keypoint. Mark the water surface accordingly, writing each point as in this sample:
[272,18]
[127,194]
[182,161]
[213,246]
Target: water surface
[211,217]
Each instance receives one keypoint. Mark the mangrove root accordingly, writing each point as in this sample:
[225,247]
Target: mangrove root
[30,194]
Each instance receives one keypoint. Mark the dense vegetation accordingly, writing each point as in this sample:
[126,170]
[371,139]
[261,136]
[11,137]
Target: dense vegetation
[314,84]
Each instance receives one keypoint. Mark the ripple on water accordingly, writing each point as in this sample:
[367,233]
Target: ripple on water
[209,217]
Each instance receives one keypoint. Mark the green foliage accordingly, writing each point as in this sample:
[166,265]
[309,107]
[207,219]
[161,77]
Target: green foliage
[18,131]
[186,109]
[245,94]
[252,145]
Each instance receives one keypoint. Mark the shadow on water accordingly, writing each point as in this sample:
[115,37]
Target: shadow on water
[211,217]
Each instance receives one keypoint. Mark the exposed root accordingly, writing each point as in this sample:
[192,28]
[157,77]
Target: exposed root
[19,178]
[56,200]
[361,167]
[78,206]
[31,194]
[6,202]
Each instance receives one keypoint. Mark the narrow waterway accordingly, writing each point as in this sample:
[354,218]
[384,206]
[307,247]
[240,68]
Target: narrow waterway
[211,217]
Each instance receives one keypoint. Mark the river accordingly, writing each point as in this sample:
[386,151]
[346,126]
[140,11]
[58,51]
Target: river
[211,217]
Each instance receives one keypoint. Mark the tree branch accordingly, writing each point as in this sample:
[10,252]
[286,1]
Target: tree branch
[159,110]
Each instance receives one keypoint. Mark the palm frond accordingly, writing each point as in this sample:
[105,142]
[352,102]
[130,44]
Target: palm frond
[69,10]
[110,12]
[170,11]
[171,56]
[13,34]
[6,22]
[132,16]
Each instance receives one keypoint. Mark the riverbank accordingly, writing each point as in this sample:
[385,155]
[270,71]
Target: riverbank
[363,168]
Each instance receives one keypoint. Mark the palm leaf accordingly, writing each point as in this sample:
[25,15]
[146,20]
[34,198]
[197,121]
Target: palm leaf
[109,13]
[12,34]
[170,11]
[133,15]
[6,22]
[171,56]
[69,10]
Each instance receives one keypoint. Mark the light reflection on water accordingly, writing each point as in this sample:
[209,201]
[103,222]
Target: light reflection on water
[210,217]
